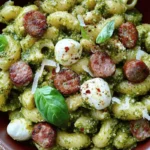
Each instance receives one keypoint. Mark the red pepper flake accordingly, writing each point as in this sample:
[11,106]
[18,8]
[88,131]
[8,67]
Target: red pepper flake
[66,49]
[88,91]
[98,90]
[82,129]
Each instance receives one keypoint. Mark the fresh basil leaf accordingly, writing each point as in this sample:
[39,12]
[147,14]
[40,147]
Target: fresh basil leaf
[106,32]
[52,106]
[84,33]
[3,42]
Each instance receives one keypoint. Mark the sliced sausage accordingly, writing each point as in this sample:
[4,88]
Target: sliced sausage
[20,73]
[135,71]
[101,65]
[35,23]
[67,82]
[44,135]
[128,34]
[140,129]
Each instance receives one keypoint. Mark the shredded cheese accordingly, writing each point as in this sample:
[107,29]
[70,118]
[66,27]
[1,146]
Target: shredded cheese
[146,115]
[45,62]
[57,68]
[35,81]
[86,69]
[140,53]
[116,100]
[81,21]
[125,105]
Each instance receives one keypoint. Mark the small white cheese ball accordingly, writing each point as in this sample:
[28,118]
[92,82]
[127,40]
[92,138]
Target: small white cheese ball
[67,52]
[96,93]
[19,129]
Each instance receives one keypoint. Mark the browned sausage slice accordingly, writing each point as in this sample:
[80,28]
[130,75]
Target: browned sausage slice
[101,65]
[135,71]
[128,34]
[140,129]
[20,73]
[67,82]
[44,135]
[35,23]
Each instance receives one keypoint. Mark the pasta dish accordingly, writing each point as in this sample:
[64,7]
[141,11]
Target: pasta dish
[74,74]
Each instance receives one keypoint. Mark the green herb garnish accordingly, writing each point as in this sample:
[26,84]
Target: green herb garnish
[3,42]
[106,32]
[52,106]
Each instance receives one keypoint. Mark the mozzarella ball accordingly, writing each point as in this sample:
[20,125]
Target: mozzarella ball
[67,52]
[19,129]
[96,93]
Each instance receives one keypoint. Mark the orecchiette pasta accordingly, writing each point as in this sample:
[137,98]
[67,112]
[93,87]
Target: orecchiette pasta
[72,140]
[133,16]
[86,44]
[116,50]
[9,12]
[74,102]
[130,3]
[62,18]
[52,33]
[99,114]
[11,54]
[5,87]
[125,87]
[115,7]
[36,53]
[128,109]
[32,115]
[27,42]
[27,99]
[107,130]
[57,5]
[91,4]
[123,138]
[86,125]
[92,17]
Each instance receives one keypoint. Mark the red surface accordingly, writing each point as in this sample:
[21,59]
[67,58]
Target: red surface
[9,144]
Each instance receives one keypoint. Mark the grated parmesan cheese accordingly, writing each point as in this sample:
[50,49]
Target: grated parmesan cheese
[125,105]
[57,68]
[140,53]
[45,62]
[35,81]
[146,115]
[81,21]
[116,100]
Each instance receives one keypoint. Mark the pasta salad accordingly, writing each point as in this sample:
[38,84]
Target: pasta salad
[75,74]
